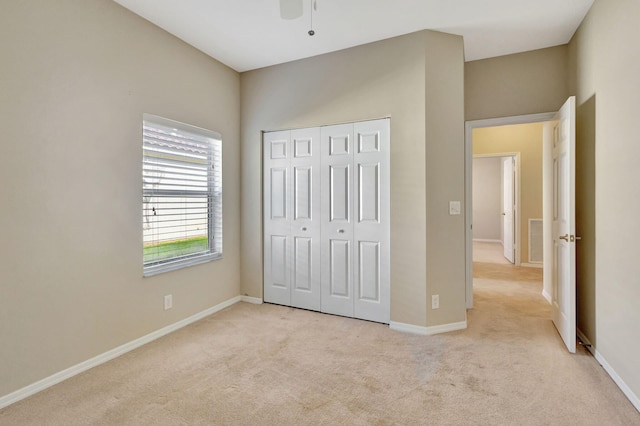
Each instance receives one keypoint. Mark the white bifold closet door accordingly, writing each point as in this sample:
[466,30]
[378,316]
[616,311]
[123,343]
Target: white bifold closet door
[292,218]
[327,219]
[355,220]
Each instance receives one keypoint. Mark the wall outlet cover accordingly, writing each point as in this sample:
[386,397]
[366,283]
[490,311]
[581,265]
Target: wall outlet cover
[168,301]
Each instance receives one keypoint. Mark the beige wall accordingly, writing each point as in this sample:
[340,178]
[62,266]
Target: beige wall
[487,198]
[423,97]
[444,94]
[527,140]
[606,66]
[524,83]
[76,79]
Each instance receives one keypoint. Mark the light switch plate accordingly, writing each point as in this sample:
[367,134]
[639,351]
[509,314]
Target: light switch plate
[454,207]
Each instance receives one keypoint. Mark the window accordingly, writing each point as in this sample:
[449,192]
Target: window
[181,195]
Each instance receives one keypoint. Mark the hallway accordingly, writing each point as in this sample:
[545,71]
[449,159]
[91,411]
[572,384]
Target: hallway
[530,362]
[489,262]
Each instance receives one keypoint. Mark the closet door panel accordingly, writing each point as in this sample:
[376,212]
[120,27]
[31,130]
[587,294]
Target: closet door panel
[279,194]
[305,220]
[337,224]
[279,253]
[302,265]
[277,215]
[369,271]
[339,193]
[368,202]
[371,224]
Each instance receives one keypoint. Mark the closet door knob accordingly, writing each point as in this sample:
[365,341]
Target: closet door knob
[340,231]
[304,228]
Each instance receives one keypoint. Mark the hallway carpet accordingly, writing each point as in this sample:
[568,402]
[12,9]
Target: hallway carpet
[273,365]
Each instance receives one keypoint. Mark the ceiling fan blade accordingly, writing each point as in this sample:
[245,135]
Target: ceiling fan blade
[290,9]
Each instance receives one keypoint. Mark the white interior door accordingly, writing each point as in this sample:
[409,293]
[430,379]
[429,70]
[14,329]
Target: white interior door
[277,212]
[292,218]
[355,220]
[337,225]
[508,208]
[371,220]
[305,218]
[563,288]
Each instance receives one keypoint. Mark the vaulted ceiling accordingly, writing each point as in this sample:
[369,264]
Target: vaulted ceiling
[250,34]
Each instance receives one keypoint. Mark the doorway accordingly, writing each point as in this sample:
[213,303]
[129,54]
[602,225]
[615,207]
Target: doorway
[506,148]
[557,137]
[496,206]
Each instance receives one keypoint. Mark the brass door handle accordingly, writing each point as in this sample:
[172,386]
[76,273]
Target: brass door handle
[564,237]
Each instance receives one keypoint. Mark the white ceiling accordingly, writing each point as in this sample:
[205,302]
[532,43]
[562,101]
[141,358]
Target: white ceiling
[249,34]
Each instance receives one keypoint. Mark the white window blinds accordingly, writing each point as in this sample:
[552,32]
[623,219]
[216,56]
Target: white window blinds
[182,195]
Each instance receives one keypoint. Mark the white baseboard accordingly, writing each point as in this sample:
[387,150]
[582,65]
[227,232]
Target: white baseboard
[427,331]
[621,384]
[109,355]
[532,265]
[546,295]
[610,371]
[249,299]
[407,328]
[483,240]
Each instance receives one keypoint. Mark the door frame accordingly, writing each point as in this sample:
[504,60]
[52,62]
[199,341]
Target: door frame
[468,189]
[516,200]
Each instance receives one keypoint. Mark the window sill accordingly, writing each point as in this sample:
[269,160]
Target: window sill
[152,270]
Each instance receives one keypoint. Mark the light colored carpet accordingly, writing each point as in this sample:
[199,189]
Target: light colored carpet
[272,365]
[498,272]
[489,253]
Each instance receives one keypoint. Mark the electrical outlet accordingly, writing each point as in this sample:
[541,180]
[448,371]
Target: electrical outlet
[435,301]
[168,301]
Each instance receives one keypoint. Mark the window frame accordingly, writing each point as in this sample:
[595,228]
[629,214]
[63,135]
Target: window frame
[213,194]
